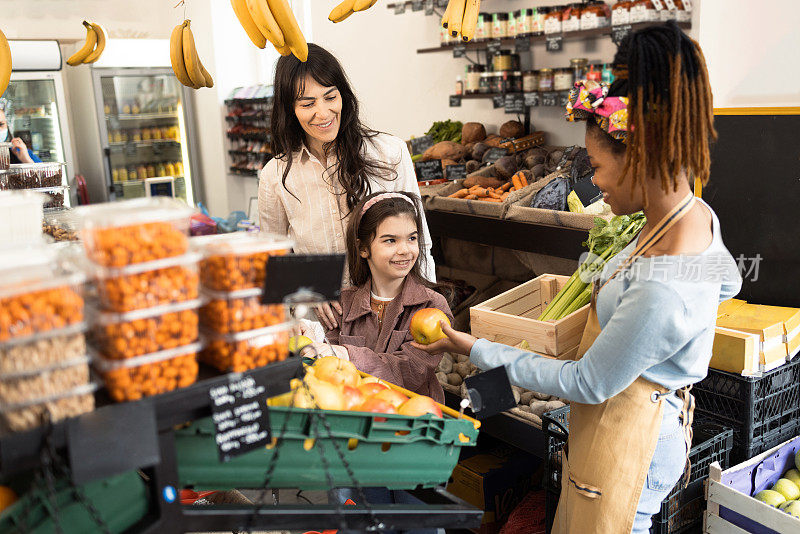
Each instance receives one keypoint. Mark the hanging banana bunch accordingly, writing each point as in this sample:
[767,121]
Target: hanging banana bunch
[273,21]
[5,63]
[348,7]
[186,64]
[93,46]
[461,18]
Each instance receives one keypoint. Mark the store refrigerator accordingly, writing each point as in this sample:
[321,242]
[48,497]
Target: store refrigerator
[145,127]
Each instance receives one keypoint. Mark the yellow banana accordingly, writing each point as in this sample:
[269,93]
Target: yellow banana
[190,58]
[101,43]
[209,81]
[456,17]
[362,5]
[247,22]
[446,16]
[283,50]
[266,21]
[470,20]
[342,11]
[87,48]
[291,30]
[176,56]
[5,63]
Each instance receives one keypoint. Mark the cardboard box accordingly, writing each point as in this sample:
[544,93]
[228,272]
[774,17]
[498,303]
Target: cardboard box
[495,481]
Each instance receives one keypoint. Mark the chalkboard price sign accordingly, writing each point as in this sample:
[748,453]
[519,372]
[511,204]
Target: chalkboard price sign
[455,172]
[420,144]
[429,7]
[455,101]
[563,98]
[429,170]
[459,50]
[417,5]
[493,46]
[554,43]
[522,44]
[532,99]
[550,99]
[618,33]
[493,154]
[241,419]
[399,8]
[498,101]
[514,104]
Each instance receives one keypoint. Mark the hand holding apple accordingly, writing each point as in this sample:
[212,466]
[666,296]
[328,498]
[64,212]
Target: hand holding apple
[453,340]
[425,325]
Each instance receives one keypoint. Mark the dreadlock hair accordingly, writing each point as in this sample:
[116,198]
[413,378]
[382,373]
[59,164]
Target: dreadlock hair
[671,119]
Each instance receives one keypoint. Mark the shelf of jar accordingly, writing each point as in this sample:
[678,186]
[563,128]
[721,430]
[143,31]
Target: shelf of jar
[247,118]
[141,116]
[149,142]
[244,172]
[569,36]
[542,98]
[248,152]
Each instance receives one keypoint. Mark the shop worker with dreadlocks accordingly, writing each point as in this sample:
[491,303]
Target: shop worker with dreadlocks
[653,309]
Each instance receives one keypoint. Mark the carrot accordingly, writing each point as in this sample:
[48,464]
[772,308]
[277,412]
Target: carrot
[512,189]
[515,180]
[506,186]
[480,192]
[473,189]
[492,194]
[461,193]
[522,179]
[504,196]
[471,197]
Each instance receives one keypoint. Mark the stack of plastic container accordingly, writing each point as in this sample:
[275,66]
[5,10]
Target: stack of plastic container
[44,367]
[239,332]
[145,326]
[44,178]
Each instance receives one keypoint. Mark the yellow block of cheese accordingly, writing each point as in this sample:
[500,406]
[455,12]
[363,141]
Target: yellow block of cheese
[768,323]
[729,306]
[735,352]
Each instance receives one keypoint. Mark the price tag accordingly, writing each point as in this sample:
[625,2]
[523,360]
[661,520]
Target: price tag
[459,50]
[417,5]
[498,101]
[550,99]
[619,33]
[399,8]
[532,99]
[420,144]
[240,415]
[658,5]
[493,46]
[455,101]
[455,172]
[554,43]
[522,44]
[490,392]
[429,7]
[494,153]
[428,170]
[670,4]
[514,104]
[687,4]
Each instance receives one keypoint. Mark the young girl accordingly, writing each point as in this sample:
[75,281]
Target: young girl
[385,266]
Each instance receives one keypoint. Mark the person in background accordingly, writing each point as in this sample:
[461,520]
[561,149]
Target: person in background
[326,161]
[651,322]
[19,152]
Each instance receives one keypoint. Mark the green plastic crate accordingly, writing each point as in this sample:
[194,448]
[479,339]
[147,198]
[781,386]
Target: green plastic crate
[121,501]
[425,455]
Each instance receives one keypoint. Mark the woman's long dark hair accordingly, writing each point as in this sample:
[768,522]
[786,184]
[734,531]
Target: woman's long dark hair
[351,167]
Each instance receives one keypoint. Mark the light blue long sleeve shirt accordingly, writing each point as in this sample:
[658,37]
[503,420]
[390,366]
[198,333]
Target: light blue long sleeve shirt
[657,320]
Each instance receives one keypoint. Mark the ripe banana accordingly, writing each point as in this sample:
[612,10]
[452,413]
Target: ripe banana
[291,30]
[5,63]
[247,22]
[470,19]
[342,11]
[266,21]
[176,56]
[87,48]
[446,16]
[190,58]
[101,43]
[283,50]
[456,16]
[209,81]
[362,5]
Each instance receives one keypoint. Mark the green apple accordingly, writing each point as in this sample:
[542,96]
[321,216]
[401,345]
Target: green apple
[793,475]
[792,508]
[770,497]
[787,488]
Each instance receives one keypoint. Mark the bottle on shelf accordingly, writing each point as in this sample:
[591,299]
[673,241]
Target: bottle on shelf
[160,169]
[145,134]
[122,174]
[179,168]
[151,171]
[169,169]
[156,134]
[459,86]
[141,172]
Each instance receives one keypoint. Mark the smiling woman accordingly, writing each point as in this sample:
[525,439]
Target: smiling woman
[326,161]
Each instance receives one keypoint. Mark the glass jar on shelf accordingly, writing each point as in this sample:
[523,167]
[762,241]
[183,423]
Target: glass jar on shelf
[562,79]
[499,25]
[621,13]
[579,66]
[530,81]
[524,21]
[595,73]
[571,18]
[511,26]
[643,11]
[502,60]
[514,82]
[474,79]
[486,83]
[546,79]
[595,14]
[552,20]
[483,28]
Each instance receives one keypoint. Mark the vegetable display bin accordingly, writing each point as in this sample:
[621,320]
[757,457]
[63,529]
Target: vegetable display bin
[510,318]
[120,502]
[763,411]
[683,508]
[385,450]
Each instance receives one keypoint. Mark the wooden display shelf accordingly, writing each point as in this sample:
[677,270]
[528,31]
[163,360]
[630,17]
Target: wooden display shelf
[569,36]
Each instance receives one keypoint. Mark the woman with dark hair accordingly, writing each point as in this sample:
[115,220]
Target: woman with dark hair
[326,161]
[654,307]
[19,152]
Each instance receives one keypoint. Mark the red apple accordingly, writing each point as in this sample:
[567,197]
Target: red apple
[425,327]
[336,371]
[376,405]
[371,388]
[395,398]
[420,405]
[352,397]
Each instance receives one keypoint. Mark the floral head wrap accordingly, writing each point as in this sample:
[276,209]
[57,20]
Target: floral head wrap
[589,100]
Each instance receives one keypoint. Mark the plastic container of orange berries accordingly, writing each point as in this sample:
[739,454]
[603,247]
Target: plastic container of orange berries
[237,260]
[242,351]
[228,312]
[134,231]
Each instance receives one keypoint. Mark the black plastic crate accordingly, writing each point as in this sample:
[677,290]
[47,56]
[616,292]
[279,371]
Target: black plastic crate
[762,411]
[684,506]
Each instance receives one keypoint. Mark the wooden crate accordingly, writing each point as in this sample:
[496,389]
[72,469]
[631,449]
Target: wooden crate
[510,318]
[731,511]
